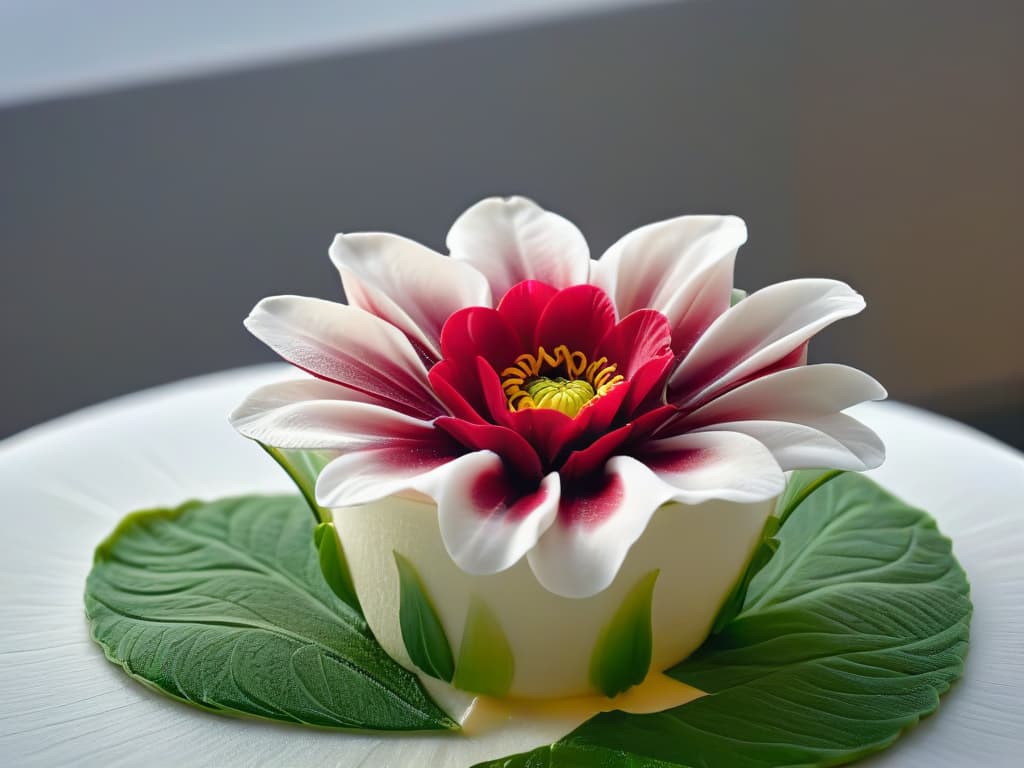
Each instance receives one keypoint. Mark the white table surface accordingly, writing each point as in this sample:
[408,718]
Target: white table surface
[65,484]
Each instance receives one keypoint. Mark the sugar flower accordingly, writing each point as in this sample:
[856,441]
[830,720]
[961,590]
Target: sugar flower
[549,403]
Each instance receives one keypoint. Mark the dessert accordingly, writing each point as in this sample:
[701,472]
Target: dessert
[602,503]
[548,473]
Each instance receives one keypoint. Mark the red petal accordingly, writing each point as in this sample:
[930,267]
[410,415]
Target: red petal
[518,454]
[492,392]
[641,336]
[448,380]
[578,317]
[591,459]
[647,385]
[547,430]
[522,307]
[479,331]
[597,415]
[648,423]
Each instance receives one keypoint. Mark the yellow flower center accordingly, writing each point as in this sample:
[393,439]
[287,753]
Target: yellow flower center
[561,379]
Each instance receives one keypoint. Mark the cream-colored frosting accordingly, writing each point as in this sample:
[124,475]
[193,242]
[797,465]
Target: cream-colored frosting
[700,550]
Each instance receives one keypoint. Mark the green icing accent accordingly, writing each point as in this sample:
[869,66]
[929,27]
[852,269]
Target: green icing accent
[333,564]
[422,633]
[222,605]
[486,664]
[622,654]
[738,295]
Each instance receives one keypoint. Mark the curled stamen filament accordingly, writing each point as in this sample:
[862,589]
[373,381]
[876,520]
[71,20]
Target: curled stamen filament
[525,375]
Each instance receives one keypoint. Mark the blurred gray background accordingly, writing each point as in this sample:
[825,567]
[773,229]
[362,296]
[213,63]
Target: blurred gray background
[875,141]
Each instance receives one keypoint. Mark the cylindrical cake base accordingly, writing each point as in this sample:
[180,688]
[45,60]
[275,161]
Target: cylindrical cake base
[699,550]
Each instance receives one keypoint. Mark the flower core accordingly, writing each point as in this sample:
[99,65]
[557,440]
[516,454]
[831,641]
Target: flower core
[564,380]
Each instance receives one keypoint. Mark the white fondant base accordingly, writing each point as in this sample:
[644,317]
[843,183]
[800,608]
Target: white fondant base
[700,550]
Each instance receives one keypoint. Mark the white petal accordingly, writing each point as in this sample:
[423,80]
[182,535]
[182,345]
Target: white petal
[310,414]
[760,330]
[790,395]
[486,525]
[682,267]
[363,476]
[513,239]
[715,465]
[407,284]
[837,441]
[582,551]
[346,345]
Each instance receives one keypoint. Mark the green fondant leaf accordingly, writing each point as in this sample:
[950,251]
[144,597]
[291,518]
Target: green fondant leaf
[737,295]
[801,484]
[424,637]
[622,654]
[486,664]
[333,564]
[303,467]
[847,636]
[535,758]
[222,605]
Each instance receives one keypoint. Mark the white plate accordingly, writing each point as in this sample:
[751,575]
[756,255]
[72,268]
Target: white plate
[65,484]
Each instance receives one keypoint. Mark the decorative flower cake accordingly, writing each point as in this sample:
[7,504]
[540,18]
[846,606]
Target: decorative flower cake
[603,503]
[548,473]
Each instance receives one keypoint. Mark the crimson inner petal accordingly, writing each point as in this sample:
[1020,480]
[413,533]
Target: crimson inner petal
[548,374]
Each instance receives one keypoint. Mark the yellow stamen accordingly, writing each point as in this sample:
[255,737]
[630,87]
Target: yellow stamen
[561,379]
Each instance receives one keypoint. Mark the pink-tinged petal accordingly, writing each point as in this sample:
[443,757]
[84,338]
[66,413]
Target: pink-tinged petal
[519,455]
[522,307]
[364,476]
[578,317]
[790,395]
[348,346]
[682,267]
[479,331]
[513,239]
[311,414]
[836,441]
[759,331]
[714,465]
[488,520]
[411,286]
[466,402]
[597,524]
